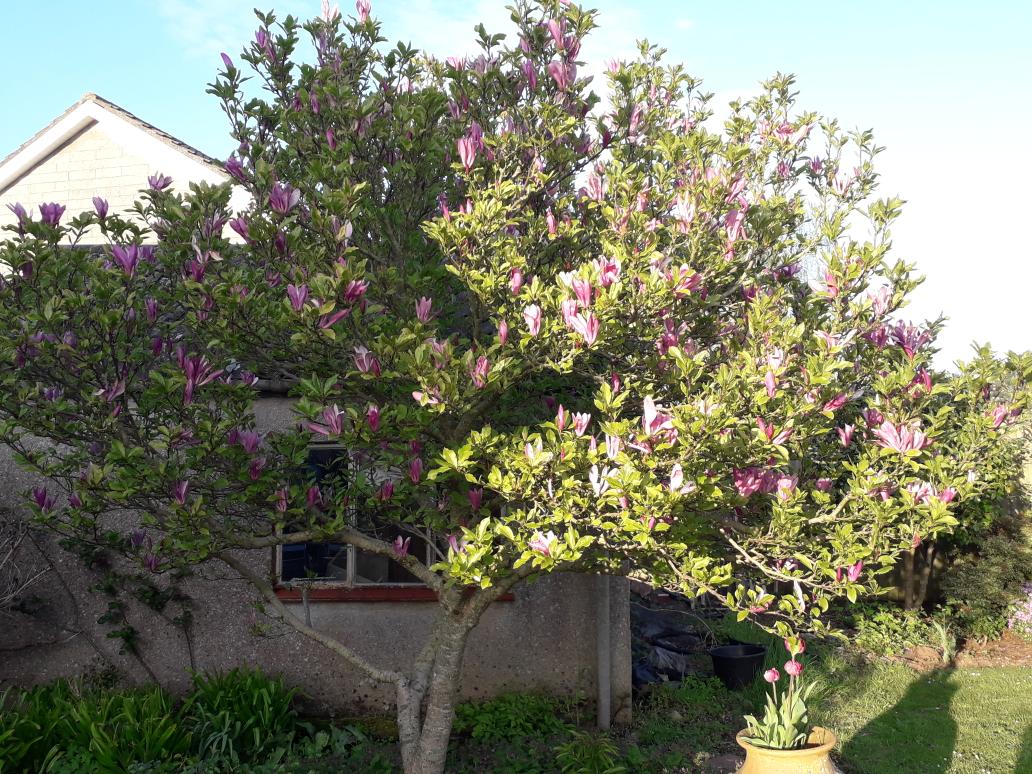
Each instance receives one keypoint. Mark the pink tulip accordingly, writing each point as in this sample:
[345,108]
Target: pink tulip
[772,675]
[532,316]
[794,668]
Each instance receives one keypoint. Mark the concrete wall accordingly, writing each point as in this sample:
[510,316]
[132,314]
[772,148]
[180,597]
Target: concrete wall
[545,639]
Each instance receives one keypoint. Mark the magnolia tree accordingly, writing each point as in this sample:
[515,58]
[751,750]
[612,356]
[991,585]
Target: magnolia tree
[554,333]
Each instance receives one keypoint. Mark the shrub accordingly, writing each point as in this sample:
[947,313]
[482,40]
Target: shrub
[240,715]
[1020,620]
[588,753]
[510,716]
[886,630]
[981,586]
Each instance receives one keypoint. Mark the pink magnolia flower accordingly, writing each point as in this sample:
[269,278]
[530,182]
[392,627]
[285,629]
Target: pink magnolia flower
[373,417]
[587,326]
[749,481]
[560,417]
[563,74]
[515,281]
[872,417]
[355,290]
[467,152]
[415,469]
[596,189]
[794,668]
[652,420]
[1000,415]
[735,224]
[836,403]
[910,338]
[366,362]
[853,572]
[770,381]
[478,373]
[386,491]
[331,424]
[845,434]
[823,484]
[400,546]
[198,373]
[902,438]
[282,502]
[423,313]
[362,8]
[101,207]
[532,316]
[613,446]
[503,332]
[43,499]
[568,309]
[255,468]
[608,271]
[533,451]
[476,498]
[542,542]
[158,182]
[599,480]
[772,675]
[580,424]
[786,487]
[529,73]
[582,289]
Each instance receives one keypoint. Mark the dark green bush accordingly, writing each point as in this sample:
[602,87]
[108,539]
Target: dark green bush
[884,629]
[981,584]
[509,716]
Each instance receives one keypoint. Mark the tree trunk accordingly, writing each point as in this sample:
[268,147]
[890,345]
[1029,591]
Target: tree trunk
[926,574]
[908,580]
[424,735]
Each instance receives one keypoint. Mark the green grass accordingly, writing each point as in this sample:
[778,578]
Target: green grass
[962,721]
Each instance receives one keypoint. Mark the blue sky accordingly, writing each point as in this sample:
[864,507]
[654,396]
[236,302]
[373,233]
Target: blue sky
[945,85]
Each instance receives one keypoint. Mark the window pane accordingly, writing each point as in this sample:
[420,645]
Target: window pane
[326,561]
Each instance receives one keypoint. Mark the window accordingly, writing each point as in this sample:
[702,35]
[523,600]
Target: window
[339,564]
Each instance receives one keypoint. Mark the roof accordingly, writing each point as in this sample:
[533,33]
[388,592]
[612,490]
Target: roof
[88,110]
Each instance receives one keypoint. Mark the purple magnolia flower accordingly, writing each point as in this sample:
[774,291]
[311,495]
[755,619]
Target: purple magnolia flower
[127,258]
[239,225]
[836,403]
[250,440]
[283,198]
[355,290]
[159,182]
[101,206]
[20,214]
[179,490]
[151,562]
[373,417]
[314,498]
[235,168]
[137,538]
[366,362]
[227,61]
[332,422]
[845,434]
[297,294]
[476,498]
[564,74]
[255,468]
[331,140]
[50,213]
[43,499]
[423,306]
[198,373]
[910,338]
[401,546]
[415,469]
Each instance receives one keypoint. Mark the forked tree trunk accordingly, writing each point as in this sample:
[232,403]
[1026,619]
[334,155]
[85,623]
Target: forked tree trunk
[426,703]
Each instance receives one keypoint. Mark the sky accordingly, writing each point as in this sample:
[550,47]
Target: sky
[945,85]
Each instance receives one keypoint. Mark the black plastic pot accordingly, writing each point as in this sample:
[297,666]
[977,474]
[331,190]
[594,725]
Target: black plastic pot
[737,665]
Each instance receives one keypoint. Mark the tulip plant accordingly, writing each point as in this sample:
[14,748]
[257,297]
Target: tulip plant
[555,332]
[786,720]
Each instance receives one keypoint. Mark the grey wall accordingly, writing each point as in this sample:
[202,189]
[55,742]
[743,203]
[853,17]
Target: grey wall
[545,639]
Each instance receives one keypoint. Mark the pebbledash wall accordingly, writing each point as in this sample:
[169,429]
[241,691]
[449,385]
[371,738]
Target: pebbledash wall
[546,638]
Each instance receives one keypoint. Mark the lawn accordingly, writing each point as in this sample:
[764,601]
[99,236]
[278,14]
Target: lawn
[964,721]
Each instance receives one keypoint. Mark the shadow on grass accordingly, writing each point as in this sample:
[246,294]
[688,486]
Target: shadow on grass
[1025,753]
[915,734]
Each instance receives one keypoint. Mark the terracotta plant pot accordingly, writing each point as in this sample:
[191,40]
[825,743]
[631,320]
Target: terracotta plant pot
[815,758]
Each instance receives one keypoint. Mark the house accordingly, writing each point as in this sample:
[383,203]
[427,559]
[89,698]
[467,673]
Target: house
[566,634]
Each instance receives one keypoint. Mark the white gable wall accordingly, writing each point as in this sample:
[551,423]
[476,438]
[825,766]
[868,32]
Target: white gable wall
[95,152]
